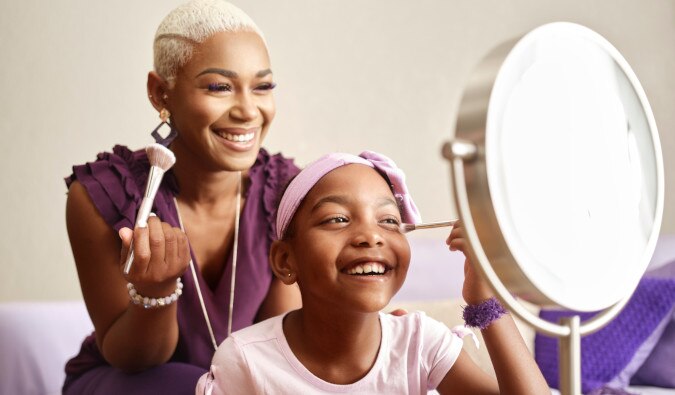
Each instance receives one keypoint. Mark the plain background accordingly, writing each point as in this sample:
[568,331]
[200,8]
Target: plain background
[385,75]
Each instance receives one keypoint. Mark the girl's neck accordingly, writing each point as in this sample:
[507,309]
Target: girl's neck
[340,348]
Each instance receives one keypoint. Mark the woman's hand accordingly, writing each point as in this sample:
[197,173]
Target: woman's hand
[475,289]
[161,255]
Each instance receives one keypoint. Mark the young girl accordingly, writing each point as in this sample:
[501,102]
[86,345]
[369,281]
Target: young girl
[339,240]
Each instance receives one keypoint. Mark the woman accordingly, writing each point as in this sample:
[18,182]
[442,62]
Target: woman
[213,84]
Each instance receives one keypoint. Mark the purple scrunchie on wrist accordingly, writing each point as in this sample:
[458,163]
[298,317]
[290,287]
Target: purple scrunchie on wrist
[482,314]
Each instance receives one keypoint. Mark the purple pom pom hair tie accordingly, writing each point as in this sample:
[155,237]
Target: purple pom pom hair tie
[310,175]
[481,315]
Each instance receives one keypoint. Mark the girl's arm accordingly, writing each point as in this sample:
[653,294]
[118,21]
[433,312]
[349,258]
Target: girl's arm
[129,337]
[515,368]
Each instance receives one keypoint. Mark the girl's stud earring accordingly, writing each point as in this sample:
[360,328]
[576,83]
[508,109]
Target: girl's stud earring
[289,274]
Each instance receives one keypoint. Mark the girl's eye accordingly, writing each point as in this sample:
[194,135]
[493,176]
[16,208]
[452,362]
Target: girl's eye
[219,87]
[391,221]
[336,220]
[267,86]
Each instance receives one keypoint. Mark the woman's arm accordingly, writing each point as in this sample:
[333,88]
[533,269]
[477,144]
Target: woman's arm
[130,337]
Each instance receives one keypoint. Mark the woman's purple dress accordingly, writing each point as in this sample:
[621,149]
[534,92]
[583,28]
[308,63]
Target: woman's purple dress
[115,182]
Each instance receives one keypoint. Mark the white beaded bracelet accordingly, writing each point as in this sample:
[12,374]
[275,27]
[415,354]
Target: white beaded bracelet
[151,303]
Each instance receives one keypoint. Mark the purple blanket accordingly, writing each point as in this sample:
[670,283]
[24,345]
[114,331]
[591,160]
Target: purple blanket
[608,352]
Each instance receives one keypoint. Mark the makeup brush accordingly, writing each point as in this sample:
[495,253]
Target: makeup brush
[161,159]
[405,228]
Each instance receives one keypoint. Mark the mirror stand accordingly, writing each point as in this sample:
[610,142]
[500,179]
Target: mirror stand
[570,330]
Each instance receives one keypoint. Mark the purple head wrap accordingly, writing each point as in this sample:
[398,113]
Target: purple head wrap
[310,175]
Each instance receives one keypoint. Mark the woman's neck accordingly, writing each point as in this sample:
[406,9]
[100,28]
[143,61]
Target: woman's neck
[200,186]
[339,348]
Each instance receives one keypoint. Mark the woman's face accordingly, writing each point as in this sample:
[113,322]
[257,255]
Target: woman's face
[222,102]
[347,249]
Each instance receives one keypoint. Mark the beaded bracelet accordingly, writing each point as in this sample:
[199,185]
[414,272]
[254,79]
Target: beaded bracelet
[151,303]
[481,315]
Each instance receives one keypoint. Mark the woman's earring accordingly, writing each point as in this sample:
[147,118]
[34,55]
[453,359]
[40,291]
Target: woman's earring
[164,116]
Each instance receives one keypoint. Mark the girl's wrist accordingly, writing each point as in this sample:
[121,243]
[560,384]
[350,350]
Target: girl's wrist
[481,315]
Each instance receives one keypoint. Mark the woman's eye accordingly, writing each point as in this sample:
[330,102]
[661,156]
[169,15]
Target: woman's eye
[219,87]
[267,86]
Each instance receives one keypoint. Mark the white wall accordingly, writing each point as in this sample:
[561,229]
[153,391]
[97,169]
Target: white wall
[378,74]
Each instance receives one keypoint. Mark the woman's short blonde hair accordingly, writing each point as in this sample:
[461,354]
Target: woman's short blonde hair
[190,24]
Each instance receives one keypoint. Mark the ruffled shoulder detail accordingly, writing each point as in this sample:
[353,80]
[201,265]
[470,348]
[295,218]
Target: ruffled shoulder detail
[115,183]
[274,172]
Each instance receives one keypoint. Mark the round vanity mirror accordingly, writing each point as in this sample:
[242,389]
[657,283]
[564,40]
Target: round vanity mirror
[562,168]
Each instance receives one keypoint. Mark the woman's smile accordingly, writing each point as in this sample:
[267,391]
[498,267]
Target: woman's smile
[237,139]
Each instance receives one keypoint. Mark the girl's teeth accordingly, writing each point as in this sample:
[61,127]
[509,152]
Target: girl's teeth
[367,269]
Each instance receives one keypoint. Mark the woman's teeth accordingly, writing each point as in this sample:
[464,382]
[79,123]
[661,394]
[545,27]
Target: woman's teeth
[239,138]
[368,268]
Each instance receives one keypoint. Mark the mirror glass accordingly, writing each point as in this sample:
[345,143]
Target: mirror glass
[574,166]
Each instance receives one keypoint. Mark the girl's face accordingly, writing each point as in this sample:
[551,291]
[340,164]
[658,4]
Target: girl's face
[222,103]
[346,247]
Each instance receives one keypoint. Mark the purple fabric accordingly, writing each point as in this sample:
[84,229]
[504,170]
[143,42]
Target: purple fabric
[606,353]
[658,370]
[168,379]
[659,367]
[611,391]
[115,182]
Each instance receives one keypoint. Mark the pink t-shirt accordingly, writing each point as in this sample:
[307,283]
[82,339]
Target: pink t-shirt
[415,354]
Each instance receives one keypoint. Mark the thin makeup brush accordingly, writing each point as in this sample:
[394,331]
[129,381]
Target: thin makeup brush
[405,228]
[161,159]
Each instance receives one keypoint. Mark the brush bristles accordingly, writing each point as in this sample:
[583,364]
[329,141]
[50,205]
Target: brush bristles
[160,156]
[405,228]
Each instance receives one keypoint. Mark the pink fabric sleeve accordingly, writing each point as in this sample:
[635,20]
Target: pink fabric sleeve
[229,373]
[440,350]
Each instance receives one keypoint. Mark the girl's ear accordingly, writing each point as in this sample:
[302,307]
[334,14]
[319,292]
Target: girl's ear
[282,263]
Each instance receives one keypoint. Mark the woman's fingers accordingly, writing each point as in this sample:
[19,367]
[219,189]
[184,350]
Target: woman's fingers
[156,241]
[141,252]
[183,249]
[171,240]
[126,236]
[399,312]
[161,253]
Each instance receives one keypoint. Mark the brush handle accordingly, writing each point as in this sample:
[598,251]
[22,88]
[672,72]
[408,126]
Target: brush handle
[405,228]
[430,225]
[154,180]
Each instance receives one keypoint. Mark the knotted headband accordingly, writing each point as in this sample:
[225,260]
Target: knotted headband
[310,175]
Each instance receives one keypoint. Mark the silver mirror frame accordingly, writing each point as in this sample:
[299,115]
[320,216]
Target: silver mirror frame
[488,248]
